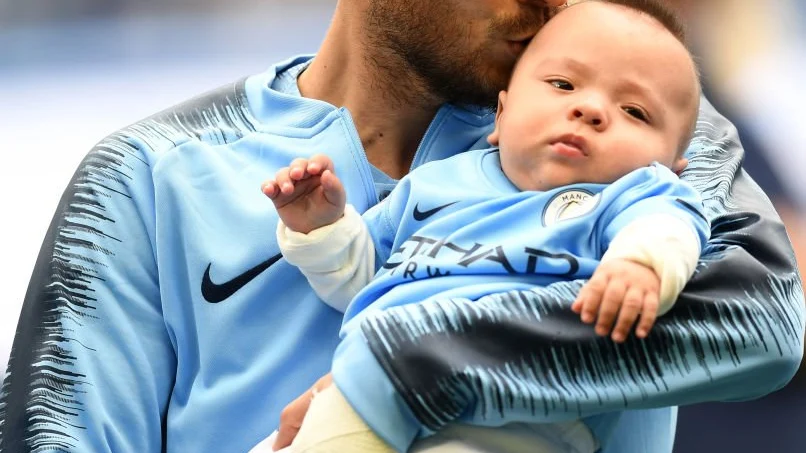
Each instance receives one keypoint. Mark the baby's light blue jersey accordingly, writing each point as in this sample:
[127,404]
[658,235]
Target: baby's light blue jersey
[458,228]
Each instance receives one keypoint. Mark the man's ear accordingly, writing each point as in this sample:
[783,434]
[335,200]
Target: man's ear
[679,165]
[494,135]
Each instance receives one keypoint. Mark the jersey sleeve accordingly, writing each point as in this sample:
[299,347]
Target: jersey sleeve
[92,363]
[650,192]
[736,332]
[384,219]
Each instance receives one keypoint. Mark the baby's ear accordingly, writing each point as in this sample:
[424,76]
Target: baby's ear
[493,138]
[680,165]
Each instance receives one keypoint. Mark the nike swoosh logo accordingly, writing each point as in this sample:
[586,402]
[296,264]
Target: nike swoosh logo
[215,293]
[422,215]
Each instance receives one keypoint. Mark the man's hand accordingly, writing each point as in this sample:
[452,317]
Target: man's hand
[293,414]
[307,194]
[620,288]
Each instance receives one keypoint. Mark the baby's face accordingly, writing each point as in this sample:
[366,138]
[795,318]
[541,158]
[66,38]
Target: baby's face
[601,91]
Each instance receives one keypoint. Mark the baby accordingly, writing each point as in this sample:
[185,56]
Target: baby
[582,184]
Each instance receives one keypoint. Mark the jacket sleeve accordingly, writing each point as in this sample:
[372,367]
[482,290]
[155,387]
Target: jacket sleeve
[92,363]
[736,332]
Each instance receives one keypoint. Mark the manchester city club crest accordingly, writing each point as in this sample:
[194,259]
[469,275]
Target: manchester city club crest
[569,204]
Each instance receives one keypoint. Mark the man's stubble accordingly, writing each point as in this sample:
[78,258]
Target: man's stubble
[424,53]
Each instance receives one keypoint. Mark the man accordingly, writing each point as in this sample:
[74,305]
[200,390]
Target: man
[160,316]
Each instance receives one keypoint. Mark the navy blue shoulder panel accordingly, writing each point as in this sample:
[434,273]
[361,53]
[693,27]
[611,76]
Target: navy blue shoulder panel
[40,397]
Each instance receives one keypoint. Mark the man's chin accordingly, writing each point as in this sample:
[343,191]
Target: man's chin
[474,79]
[482,96]
[484,93]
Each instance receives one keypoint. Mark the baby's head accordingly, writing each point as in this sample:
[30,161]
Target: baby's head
[606,87]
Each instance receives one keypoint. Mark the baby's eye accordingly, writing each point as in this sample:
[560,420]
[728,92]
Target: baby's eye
[562,85]
[637,113]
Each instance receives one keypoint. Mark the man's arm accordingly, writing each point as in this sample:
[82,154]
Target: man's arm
[736,332]
[92,366]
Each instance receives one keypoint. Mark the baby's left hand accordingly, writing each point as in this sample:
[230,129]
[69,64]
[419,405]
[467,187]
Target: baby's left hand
[623,289]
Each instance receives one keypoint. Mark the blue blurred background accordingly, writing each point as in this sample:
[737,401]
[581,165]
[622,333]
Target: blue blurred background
[72,71]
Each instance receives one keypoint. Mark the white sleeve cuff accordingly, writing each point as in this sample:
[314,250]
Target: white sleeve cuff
[321,250]
[338,259]
[665,243]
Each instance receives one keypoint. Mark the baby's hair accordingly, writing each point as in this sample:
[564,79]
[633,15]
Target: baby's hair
[658,10]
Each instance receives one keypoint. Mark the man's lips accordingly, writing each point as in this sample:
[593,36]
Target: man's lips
[519,40]
[518,46]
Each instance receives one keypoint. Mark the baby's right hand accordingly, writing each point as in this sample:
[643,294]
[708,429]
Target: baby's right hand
[307,194]
[617,295]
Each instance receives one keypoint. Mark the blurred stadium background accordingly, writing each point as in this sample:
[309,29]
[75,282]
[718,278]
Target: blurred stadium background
[73,71]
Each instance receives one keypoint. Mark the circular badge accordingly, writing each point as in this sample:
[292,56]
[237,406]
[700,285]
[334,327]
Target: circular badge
[569,204]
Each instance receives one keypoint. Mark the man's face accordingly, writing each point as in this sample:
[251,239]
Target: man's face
[600,92]
[464,50]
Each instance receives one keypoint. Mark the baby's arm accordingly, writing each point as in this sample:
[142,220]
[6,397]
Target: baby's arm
[653,242]
[317,232]
[664,243]
[643,271]
[331,245]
